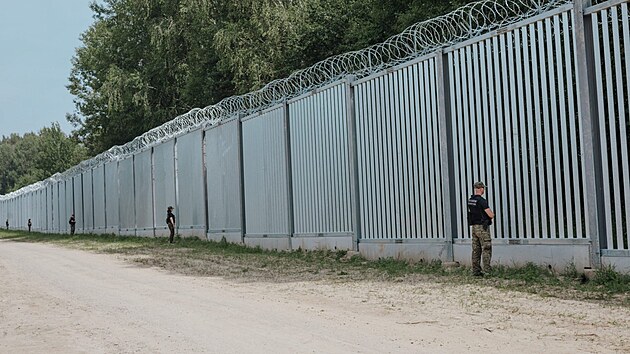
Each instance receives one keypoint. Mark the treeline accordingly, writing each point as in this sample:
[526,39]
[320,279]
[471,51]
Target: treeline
[36,156]
[143,62]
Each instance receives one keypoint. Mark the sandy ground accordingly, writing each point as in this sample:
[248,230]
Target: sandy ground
[56,300]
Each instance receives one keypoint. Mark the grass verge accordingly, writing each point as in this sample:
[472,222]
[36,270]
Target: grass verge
[191,256]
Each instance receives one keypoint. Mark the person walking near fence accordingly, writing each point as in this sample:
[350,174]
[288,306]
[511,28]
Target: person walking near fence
[29,225]
[7,224]
[170,221]
[480,218]
[72,222]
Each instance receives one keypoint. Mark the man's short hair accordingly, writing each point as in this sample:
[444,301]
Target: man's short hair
[478,185]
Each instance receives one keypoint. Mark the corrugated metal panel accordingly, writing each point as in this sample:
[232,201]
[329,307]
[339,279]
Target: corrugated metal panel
[62,221]
[51,208]
[611,42]
[518,132]
[320,171]
[88,202]
[69,201]
[98,188]
[112,199]
[79,214]
[265,174]
[164,183]
[126,196]
[190,184]
[223,178]
[399,154]
[144,191]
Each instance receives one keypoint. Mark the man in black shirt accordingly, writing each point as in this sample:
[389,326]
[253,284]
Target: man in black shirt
[170,221]
[72,223]
[480,218]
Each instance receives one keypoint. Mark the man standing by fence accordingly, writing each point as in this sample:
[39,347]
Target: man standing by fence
[29,224]
[170,221]
[480,218]
[72,222]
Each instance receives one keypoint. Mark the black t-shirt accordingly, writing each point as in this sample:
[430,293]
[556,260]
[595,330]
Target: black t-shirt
[170,215]
[477,206]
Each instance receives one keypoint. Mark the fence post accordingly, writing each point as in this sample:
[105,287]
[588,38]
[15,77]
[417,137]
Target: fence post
[353,162]
[591,153]
[446,149]
[241,174]
[287,141]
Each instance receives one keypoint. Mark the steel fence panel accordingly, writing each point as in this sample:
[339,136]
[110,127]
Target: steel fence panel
[398,153]
[527,123]
[143,188]
[69,195]
[88,201]
[164,183]
[265,174]
[98,190]
[62,221]
[319,152]
[612,68]
[223,178]
[127,203]
[191,210]
[77,196]
[112,198]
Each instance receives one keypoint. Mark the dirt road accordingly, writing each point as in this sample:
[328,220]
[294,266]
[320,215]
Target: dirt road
[56,300]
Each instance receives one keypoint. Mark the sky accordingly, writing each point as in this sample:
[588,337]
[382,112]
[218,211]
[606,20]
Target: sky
[37,42]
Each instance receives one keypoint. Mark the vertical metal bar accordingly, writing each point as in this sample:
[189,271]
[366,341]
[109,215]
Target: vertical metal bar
[473,98]
[480,156]
[623,118]
[371,144]
[493,182]
[508,186]
[396,156]
[459,197]
[423,153]
[487,151]
[537,134]
[438,211]
[521,65]
[547,166]
[553,161]
[602,130]
[388,170]
[204,174]
[517,147]
[287,150]
[446,149]
[464,130]
[584,48]
[351,122]
[414,116]
[563,144]
[403,85]
[502,226]
[573,134]
[612,127]
[241,177]
[379,118]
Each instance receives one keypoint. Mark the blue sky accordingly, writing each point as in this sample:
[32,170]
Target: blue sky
[37,41]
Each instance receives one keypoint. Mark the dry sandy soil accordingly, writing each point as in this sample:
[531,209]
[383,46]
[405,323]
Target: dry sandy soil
[57,300]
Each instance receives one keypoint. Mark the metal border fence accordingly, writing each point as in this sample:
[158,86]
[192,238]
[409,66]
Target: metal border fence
[535,104]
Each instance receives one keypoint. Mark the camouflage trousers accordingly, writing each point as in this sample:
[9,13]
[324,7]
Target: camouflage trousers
[481,247]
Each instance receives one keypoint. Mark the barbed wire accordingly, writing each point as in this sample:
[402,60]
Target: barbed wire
[417,40]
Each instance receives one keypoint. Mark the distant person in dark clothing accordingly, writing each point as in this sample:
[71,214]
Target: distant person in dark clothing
[29,225]
[7,224]
[170,221]
[72,222]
